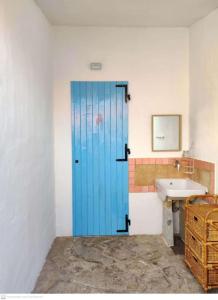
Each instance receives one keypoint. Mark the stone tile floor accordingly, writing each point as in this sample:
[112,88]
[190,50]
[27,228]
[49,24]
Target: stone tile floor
[133,264]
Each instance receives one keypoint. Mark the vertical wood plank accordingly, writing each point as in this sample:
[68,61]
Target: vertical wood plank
[125,177]
[108,162]
[77,187]
[95,159]
[89,171]
[113,164]
[120,154]
[83,95]
[101,159]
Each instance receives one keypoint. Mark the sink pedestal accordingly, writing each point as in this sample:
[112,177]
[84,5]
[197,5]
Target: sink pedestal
[168,232]
[168,220]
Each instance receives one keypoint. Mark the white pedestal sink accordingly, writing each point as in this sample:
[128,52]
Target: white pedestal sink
[178,188]
[175,189]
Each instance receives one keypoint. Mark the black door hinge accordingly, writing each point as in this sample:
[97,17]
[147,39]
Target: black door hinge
[127,223]
[127,152]
[127,95]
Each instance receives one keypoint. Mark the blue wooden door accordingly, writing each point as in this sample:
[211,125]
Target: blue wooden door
[100,170]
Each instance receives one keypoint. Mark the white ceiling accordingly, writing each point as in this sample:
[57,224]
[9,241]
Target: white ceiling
[163,13]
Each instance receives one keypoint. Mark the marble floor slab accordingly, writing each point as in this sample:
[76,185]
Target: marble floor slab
[133,264]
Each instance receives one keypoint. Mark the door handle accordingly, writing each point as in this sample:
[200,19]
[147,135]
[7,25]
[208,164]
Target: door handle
[127,152]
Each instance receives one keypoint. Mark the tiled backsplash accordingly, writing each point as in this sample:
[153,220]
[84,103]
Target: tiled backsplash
[205,174]
[144,171]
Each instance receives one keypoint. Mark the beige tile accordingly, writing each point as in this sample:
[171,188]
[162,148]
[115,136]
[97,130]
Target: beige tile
[144,175]
[161,171]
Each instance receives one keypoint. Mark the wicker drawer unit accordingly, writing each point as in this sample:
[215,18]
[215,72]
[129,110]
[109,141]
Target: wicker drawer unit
[202,219]
[201,239]
[206,275]
[207,253]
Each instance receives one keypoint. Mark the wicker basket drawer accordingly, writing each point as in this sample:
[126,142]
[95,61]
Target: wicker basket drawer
[213,277]
[212,235]
[206,230]
[207,253]
[194,244]
[207,276]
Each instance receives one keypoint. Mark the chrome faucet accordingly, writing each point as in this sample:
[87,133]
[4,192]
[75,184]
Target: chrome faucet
[177,165]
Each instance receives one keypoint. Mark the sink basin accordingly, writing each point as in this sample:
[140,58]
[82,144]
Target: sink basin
[178,188]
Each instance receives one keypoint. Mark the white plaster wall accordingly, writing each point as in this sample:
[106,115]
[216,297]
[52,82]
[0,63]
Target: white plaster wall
[156,64]
[204,89]
[26,151]
[145,211]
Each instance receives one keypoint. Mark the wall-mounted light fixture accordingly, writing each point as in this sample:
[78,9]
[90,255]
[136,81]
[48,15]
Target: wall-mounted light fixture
[95,66]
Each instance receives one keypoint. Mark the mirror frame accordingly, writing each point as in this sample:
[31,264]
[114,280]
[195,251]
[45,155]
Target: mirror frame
[180,132]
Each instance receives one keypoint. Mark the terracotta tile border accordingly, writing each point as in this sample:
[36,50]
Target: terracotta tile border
[131,168]
[200,164]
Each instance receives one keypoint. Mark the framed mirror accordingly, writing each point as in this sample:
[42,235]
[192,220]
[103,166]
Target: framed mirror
[166,132]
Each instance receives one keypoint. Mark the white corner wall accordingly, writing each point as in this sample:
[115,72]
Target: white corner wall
[155,62]
[26,150]
[204,89]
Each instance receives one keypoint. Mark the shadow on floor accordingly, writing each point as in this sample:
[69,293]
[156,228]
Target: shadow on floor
[179,246]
